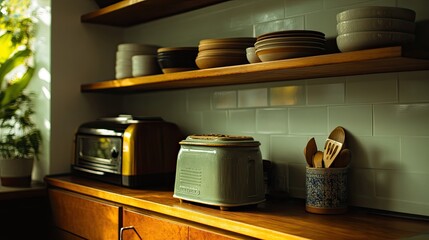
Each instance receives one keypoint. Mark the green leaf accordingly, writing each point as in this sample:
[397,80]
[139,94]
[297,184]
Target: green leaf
[6,46]
[14,90]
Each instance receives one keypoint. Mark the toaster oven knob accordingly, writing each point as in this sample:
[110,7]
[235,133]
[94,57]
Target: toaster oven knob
[114,153]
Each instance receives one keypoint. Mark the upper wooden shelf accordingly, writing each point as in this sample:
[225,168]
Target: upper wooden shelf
[130,12]
[381,60]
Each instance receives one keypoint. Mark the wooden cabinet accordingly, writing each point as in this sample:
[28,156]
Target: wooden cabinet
[76,216]
[146,225]
[143,226]
[83,216]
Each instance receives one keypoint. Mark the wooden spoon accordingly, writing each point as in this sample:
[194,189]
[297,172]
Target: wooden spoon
[338,134]
[343,159]
[309,151]
[318,159]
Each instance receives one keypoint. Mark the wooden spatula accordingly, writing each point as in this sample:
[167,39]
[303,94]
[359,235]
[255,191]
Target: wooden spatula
[332,148]
[309,151]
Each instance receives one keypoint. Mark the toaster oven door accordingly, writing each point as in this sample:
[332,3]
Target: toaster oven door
[98,154]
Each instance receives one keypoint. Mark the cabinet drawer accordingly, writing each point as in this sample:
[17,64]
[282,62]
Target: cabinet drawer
[212,234]
[151,227]
[86,217]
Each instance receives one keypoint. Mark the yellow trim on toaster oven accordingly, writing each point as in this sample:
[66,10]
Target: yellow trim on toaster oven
[128,148]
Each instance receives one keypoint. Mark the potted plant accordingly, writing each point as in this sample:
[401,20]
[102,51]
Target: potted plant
[20,142]
[19,137]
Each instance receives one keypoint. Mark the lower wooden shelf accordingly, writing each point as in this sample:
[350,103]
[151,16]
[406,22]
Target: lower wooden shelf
[381,60]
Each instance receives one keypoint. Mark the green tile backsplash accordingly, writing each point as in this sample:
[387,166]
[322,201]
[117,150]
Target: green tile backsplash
[386,115]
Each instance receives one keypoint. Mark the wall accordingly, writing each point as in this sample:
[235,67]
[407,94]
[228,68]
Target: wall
[80,53]
[386,115]
[41,83]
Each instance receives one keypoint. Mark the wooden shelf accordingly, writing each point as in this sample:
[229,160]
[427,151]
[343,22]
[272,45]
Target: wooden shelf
[381,60]
[130,12]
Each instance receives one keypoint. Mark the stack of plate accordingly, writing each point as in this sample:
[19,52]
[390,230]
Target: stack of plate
[124,64]
[289,44]
[144,65]
[223,52]
[177,59]
[373,27]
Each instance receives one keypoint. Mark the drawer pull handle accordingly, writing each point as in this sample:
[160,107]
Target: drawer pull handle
[121,232]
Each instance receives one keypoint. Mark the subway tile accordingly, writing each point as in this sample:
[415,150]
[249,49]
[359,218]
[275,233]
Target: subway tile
[264,140]
[401,119]
[300,7]
[341,3]
[288,149]
[356,119]
[361,182]
[396,185]
[190,122]
[373,88]
[296,182]
[268,10]
[413,87]
[419,6]
[283,151]
[323,21]
[225,99]
[272,120]
[308,120]
[325,91]
[291,23]
[287,95]
[198,100]
[415,154]
[214,122]
[375,152]
[242,121]
[252,98]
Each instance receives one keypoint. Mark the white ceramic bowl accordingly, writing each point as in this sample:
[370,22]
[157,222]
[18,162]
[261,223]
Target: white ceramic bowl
[366,40]
[377,12]
[143,65]
[251,55]
[375,24]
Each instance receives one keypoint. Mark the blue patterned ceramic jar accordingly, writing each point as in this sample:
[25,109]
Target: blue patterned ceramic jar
[326,190]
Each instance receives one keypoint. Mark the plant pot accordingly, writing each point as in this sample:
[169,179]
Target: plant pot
[16,172]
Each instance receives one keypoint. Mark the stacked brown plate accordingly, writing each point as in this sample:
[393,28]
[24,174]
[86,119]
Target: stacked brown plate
[223,52]
[289,44]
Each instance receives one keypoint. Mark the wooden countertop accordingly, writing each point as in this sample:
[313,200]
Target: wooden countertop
[273,219]
[37,189]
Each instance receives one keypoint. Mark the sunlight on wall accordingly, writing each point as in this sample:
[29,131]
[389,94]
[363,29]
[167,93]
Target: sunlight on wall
[41,83]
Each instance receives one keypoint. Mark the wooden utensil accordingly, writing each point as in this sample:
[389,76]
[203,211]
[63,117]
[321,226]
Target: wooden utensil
[332,149]
[343,159]
[318,159]
[338,134]
[309,151]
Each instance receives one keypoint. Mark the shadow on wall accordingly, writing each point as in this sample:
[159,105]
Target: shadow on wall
[422,34]
[369,186]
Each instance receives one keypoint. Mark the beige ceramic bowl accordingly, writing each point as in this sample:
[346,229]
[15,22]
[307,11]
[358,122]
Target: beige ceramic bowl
[375,24]
[251,55]
[374,39]
[273,54]
[377,12]
[219,61]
